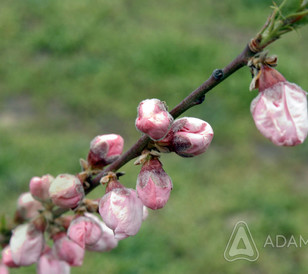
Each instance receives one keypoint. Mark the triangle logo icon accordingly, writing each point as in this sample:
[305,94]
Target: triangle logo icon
[241,245]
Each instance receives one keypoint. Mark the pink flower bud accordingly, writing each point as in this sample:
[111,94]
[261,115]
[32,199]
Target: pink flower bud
[105,149]
[3,269]
[27,207]
[122,211]
[153,118]
[39,187]
[106,242]
[26,244]
[67,250]
[66,191]
[49,264]
[85,230]
[7,257]
[189,137]
[280,109]
[153,184]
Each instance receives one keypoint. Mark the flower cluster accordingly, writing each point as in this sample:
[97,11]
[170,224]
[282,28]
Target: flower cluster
[279,112]
[56,242]
[122,209]
[71,235]
[186,136]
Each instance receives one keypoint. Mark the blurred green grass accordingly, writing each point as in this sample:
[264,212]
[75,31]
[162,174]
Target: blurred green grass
[71,70]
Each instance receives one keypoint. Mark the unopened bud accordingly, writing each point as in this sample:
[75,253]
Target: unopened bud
[122,211]
[85,230]
[27,207]
[50,264]
[66,191]
[189,136]
[39,187]
[67,250]
[153,119]
[106,242]
[153,184]
[26,244]
[280,109]
[105,149]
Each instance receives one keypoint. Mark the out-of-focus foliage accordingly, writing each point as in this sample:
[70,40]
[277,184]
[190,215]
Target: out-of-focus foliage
[71,70]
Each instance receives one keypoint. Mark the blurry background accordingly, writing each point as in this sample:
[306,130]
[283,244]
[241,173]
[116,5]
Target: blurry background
[71,70]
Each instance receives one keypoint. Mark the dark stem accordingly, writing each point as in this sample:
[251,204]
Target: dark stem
[240,61]
[190,101]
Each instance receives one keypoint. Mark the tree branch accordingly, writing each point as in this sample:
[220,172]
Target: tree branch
[268,34]
[191,100]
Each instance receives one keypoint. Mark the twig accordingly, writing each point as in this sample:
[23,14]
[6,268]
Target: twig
[190,101]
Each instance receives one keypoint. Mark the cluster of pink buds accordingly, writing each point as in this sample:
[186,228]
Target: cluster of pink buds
[71,235]
[186,137]
[280,109]
[41,235]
